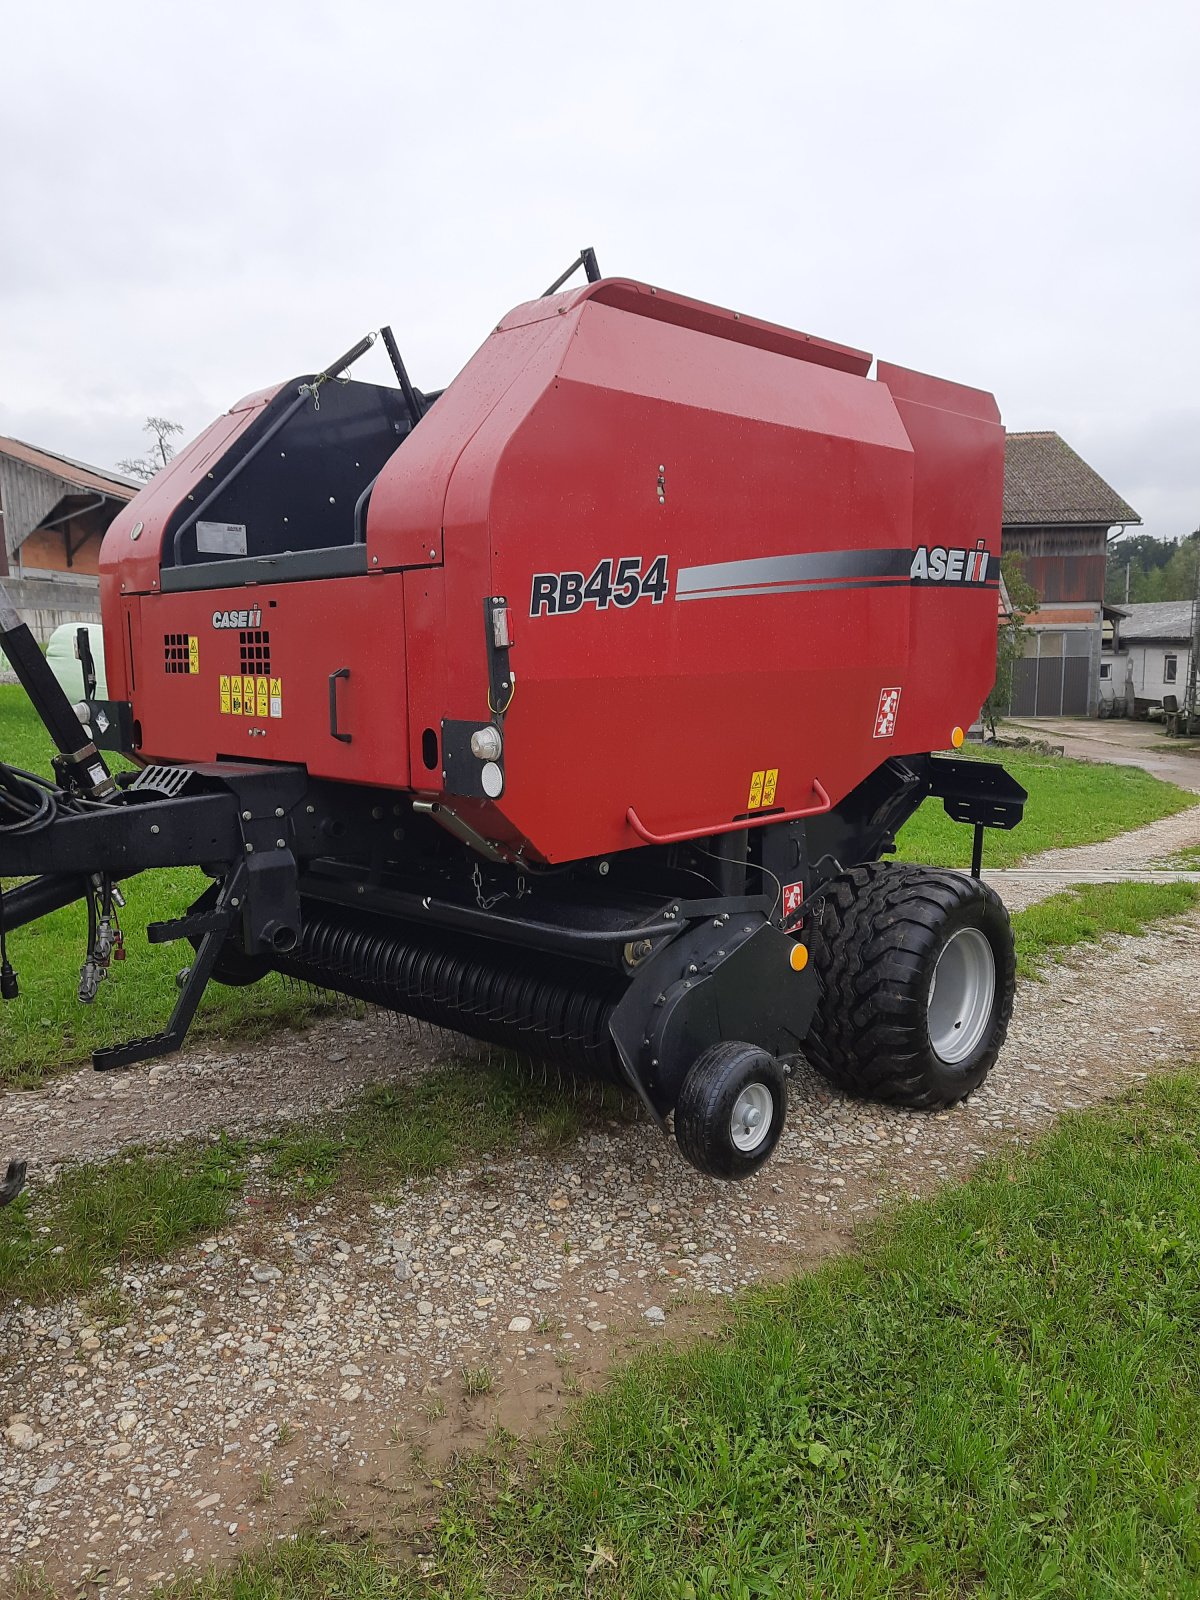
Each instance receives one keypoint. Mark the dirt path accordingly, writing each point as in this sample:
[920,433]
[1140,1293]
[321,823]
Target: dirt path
[286,1368]
[1121,742]
[1134,854]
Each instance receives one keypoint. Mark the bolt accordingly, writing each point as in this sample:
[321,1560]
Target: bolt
[154,828]
[654,1061]
[361,889]
[278,811]
[311,810]
[249,849]
[377,813]
[235,903]
[692,967]
[281,844]
[602,869]
[246,816]
[433,555]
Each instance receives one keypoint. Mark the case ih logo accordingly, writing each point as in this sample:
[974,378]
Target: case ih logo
[949,566]
[885,717]
[238,619]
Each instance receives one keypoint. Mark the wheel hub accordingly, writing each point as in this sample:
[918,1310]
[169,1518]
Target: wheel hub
[962,993]
[750,1120]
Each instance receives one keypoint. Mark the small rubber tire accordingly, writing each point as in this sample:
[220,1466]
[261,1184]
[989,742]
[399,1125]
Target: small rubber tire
[716,1082]
[877,938]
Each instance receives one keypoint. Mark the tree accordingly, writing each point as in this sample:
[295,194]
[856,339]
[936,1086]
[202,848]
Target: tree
[1010,638]
[1158,569]
[160,452]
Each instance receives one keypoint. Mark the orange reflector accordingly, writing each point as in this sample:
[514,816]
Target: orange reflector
[799,957]
[956,738]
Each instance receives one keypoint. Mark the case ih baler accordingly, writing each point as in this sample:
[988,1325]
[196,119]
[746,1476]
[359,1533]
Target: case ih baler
[572,708]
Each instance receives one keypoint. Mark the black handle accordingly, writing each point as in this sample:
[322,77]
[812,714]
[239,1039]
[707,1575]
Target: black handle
[342,672]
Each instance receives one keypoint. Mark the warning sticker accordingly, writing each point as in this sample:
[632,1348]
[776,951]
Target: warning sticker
[885,717]
[193,654]
[793,897]
[762,788]
[243,696]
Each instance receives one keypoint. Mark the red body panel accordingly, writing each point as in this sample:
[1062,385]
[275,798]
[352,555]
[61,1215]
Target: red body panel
[799,506]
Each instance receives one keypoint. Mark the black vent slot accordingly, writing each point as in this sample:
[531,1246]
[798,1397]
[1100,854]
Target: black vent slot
[256,653]
[177,652]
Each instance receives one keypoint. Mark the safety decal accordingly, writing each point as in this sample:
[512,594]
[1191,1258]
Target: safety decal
[885,717]
[793,898]
[243,696]
[762,788]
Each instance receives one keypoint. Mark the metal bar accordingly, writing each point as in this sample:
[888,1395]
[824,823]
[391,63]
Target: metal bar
[824,803]
[30,901]
[585,259]
[415,408]
[977,850]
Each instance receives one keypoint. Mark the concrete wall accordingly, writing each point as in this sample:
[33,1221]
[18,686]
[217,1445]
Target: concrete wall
[47,602]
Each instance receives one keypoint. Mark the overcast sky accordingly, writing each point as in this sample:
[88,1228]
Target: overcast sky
[199,200]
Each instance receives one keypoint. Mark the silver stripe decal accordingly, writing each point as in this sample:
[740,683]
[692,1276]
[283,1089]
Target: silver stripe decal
[771,570]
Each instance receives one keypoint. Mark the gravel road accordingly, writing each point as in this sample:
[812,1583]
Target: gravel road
[291,1366]
[306,1351]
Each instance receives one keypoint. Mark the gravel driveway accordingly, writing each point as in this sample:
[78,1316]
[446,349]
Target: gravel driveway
[314,1348]
[289,1367]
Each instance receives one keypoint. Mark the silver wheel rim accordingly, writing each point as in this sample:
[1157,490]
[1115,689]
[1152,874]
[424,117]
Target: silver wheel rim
[750,1120]
[961,995]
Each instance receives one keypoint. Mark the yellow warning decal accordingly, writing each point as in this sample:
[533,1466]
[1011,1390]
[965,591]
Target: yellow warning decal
[193,654]
[756,791]
[771,779]
[242,696]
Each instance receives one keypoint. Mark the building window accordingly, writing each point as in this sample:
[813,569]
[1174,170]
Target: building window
[1105,671]
[1170,663]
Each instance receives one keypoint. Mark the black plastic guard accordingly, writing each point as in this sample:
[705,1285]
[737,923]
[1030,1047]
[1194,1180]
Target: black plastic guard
[979,792]
[728,978]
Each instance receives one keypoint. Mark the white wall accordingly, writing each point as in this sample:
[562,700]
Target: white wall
[1148,661]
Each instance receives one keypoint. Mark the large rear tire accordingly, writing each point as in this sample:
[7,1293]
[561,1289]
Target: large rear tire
[917,975]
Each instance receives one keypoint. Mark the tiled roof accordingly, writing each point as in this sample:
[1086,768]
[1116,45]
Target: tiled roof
[76,473]
[1045,482]
[1157,619]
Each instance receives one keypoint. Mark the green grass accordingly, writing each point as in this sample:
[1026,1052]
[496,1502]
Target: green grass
[1000,1396]
[137,1207]
[1185,860]
[47,1028]
[61,1238]
[1084,913]
[1070,802]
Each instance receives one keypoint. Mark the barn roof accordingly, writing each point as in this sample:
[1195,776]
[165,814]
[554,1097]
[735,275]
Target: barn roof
[35,485]
[1157,619]
[1046,482]
[76,473]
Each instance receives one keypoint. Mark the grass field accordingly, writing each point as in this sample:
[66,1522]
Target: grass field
[1071,803]
[1084,913]
[47,1028]
[998,1396]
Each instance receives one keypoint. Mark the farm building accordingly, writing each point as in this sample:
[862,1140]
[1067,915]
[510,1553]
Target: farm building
[53,515]
[1152,654]
[1058,515]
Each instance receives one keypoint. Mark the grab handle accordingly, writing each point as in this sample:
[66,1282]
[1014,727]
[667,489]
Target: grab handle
[824,803]
[342,672]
